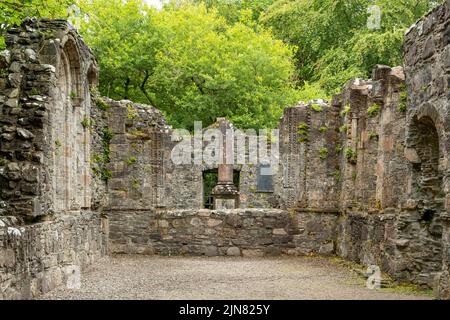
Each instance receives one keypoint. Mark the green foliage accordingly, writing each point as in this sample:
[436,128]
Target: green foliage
[131,160]
[316,107]
[86,123]
[354,175]
[196,66]
[34,92]
[102,105]
[373,110]
[72,94]
[373,135]
[343,128]
[58,146]
[403,98]
[247,11]
[138,133]
[323,129]
[135,185]
[337,175]
[338,148]
[311,91]
[323,153]
[302,131]
[12,12]
[350,155]
[3,162]
[333,41]
[102,161]
[132,113]
[345,111]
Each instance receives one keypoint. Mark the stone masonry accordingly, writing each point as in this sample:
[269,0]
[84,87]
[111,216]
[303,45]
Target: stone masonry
[364,176]
[48,227]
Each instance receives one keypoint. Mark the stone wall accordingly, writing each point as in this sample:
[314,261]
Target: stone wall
[48,192]
[44,148]
[427,69]
[36,258]
[246,232]
[365,176]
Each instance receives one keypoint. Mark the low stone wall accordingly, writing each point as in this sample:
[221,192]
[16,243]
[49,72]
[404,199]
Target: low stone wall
[246,232]
[402,244]
[368,239]
[316,232]
[36,258]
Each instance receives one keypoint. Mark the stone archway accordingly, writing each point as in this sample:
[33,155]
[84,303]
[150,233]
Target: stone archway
[426,175]
[70,135]
[423,227]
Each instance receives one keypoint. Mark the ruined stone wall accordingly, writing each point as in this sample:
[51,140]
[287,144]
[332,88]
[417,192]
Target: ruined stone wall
[427,69]
[138,144]
[45,149]
[247,232]
[47,189]
[37,258]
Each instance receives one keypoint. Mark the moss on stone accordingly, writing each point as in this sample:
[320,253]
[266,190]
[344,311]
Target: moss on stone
[373,110]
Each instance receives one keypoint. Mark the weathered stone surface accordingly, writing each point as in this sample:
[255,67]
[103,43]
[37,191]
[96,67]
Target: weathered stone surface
[233,251]
[364,176]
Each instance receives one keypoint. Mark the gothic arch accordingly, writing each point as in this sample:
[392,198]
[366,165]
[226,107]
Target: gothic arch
[70,139]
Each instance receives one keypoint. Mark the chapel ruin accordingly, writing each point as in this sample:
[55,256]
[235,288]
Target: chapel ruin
[365,177]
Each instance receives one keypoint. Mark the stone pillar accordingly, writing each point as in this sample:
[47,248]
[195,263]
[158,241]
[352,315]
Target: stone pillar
[225,193]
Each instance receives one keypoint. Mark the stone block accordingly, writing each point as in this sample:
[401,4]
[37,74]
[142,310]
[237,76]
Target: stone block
[252,253]
[279,232]
[214,223]
[211,251]
[233,251]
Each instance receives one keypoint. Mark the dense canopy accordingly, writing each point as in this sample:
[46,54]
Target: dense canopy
[243,59]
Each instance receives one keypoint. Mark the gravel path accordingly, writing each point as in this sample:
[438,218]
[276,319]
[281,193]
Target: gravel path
[154,277]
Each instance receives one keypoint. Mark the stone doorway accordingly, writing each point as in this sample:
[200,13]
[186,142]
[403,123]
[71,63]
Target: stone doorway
[425,229]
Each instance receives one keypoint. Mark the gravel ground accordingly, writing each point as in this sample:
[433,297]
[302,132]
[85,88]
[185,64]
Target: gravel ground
[154,277]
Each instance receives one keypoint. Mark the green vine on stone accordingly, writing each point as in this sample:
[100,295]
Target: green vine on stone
[345,110]
[403,98]
[316,107]
[104,159]
[323,129]
[373,110]
[302,131]
[351,155]
[323,152]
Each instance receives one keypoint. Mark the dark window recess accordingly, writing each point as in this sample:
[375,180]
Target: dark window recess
[264,181]
[210,178]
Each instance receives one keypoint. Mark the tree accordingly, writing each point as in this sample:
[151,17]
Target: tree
[207,69]
[125,39]
[334,43]
[190,63]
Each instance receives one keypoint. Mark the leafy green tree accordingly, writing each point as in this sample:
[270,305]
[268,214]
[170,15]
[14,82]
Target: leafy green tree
[125,39]
[207,68]
[334,43]
[234,10]
[190,62]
